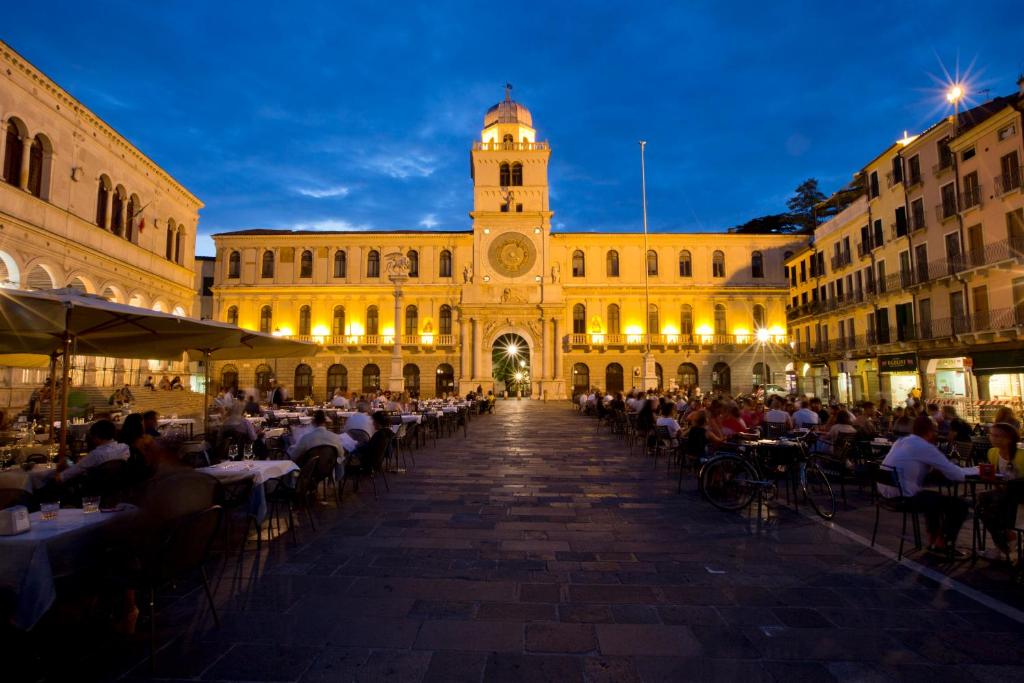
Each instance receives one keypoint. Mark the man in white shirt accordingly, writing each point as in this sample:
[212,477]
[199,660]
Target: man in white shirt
[104,449]
[360,422]
[667,421]
[339,400]
[778,415]
[805,417]
[318,436]
[912,458]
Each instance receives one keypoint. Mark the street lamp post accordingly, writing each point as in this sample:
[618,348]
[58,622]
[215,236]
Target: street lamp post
[650,377]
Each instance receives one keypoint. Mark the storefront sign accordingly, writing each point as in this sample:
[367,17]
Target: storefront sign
[951,363]
[905,362]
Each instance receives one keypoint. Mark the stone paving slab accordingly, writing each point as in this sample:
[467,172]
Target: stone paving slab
[538,549]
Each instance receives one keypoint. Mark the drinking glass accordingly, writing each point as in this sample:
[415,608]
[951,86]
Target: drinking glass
[49,511]
[90,504]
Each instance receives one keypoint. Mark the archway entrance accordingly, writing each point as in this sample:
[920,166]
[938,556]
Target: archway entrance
[510,360]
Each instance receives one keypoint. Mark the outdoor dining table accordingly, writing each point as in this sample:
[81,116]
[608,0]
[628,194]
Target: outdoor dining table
[259,471]
[29,480]
[177,422]
[29,562]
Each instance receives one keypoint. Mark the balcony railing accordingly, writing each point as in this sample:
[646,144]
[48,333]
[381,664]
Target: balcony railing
[970,198]
[918,221]
[667,340]
[864,248]
[841,260]
[1009,182]
[945,210]
[355,340]
[914,179]
[509,146]
[945,163]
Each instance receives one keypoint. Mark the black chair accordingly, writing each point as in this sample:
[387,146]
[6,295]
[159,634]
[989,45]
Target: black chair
[902,505]
[234,497]
[368,461]
[327,462]
[774,430]
[297,497]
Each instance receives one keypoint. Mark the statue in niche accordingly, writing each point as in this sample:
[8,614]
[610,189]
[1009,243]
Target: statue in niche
[467,274]
[556,273]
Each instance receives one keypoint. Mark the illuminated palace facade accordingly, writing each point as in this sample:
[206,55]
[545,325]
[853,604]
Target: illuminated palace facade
[441,311]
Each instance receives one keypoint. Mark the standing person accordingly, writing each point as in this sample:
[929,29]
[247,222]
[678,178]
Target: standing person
[278,395]
[912,458]
[997,508]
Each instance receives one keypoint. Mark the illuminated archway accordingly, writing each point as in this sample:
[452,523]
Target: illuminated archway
[510,363]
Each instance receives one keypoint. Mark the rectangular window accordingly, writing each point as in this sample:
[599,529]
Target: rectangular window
[879,238]
[1007,131]
[945,155]
[924,319]
[897,169]
[921,262]
[904,322]
[873,184]
[948,207]
[869,279]
[1010,173]
[954,255]
[1015,229]
[839,288]
[881,275]
[975,245]
[901,221]
[972,191]
[882,320]
[905,274]
[914,169]
[957,313]
[967,153]
[979,301]
[1018,301]
[917,214]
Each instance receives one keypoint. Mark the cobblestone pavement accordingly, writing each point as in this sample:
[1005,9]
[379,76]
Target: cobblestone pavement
[536,549]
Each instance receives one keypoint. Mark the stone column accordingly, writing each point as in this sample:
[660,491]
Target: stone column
[110,207]
[545,344]
[477,334]
[26,152]
[556,371]
[465,352]
[396,382]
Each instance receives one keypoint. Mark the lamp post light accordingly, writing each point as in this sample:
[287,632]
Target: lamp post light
[763,337]
[650,376]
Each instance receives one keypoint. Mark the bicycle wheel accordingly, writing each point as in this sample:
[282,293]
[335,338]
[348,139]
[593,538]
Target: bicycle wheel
[817,490]
[725,482]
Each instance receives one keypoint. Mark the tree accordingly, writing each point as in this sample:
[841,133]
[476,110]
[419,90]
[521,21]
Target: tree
[773,224]
[803,202]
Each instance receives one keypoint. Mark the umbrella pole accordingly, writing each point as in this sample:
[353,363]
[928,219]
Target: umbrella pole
[53,392]
[66,376]
[206,392]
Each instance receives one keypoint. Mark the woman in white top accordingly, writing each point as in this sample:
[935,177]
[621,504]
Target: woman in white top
[841,428]
[667,420]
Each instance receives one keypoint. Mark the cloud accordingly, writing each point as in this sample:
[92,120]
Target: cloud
[323,193]
[414,165]
[429,221]
[327,224]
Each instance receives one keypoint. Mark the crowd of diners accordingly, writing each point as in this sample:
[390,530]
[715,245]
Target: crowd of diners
[924,440]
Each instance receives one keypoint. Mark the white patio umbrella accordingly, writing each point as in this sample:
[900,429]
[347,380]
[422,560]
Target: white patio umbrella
[52,322]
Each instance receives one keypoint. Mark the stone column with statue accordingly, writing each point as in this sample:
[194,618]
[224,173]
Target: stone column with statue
[397,269]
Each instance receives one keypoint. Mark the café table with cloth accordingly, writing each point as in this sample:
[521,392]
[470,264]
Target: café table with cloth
[260,471]
[29,562]
[28,480]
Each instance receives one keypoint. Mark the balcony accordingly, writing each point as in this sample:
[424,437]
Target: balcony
[510,146]
[841,260]
[918,221]
[970,198]
[944,165]
[945,210]
[1009,182]
[865,248]
[914,179]
[666,341]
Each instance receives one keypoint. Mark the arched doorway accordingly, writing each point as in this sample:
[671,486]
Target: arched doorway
[510,362]
[303,382]
[613,378]
[411,378]
[580,379]
[445,382]
[229,377]
[721,378]
[687,376]
[264,376]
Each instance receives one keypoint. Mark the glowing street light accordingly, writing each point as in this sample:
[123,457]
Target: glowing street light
[512,350]
[763,335]
[955,93]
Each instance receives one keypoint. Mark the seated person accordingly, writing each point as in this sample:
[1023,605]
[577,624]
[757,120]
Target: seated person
[318,436]
[376,447]
[103,448]
[150,384]
[842,427]
[777,415]
[150,422]
[667,421]
[959,429]
[176,383]
[997,507]
[339,400]
[731,422]
[165,384]
[235,425]
[805,417]
[360,427]
[251,406]
[913,457]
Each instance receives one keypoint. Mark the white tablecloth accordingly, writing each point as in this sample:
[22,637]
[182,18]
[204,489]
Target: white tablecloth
[260,471]
[32,480]
[173,423]
[29,561]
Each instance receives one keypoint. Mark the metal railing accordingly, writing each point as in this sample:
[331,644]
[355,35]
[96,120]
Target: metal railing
[668,340]
[509,146]
[1010,181]
[945,210]
[945,164]
[918,221]
[841,260]
[970,198]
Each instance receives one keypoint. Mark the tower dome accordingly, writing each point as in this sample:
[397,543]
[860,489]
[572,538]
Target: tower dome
[508,111]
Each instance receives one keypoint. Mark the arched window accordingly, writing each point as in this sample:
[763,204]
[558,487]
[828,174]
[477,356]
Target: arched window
[762,374]
[659,372]
[517,174]
[304,316]
[445,381]
[614,327]
[232,316]
[169,248]
[234,265]
[306,264]
[14,149]
[685,264]
[445,317]
[652,262]
[579,264]
[39,278]
[687,376]
[653,320]
[579,319]
[129,223]
[266,319]
[756,264]
[760,319]
[411,377]
[580,378]
[372,321]
[373,263]
[117,212]
[721,378]
[229,377]
[371,378]
[337,378]
[102,197]
[338,321]
[264,376]
[177,244]
[39,158]
[504,175]
[612,263]
[267,269]
[686,319]
[340,264]
[414,263]
[613,378]
[718,264]
[720,326]
[507,140]
[303,381]
[412,320]
[445,264]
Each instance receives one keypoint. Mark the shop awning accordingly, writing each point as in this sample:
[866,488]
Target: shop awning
[998,362]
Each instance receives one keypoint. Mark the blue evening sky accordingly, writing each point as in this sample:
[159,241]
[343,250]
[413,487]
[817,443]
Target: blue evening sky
[360,115]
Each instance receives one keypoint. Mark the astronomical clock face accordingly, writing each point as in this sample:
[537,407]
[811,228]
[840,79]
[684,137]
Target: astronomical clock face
[512,254]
